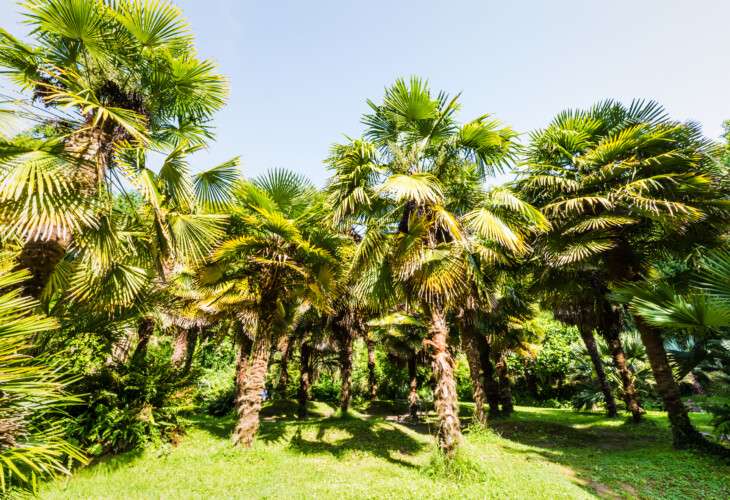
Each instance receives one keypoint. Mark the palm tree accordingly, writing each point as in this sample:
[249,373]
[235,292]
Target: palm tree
[345,326]
[284,251]
[569,296]
[118,79]
[622,187]
[414,248]
[401,334]
[583,373]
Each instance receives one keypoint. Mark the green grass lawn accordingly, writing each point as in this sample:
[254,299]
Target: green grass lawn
[536,453]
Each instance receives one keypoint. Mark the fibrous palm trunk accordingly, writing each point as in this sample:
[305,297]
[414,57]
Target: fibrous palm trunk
[491,386]
[371,369]
[304,380]
[505,392]
[345,327]
[144,334]
[609,327]
[287,346]
[40,256]
[445,397]
[195,334]
[472,356]
[345,355]
[184,348]
[180,347]
[592,347]
[242,364]
[621,264]
[683,431]
[250,404]
[413,384]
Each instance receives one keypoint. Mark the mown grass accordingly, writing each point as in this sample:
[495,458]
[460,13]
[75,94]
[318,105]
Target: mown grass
[537,453]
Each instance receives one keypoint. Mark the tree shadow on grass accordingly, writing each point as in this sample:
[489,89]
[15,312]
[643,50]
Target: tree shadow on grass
[583,450]
[112,462]
[343,435]
[218,428]
[287,409]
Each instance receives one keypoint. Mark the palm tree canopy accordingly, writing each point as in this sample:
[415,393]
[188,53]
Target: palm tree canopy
[404,184]
[613,178]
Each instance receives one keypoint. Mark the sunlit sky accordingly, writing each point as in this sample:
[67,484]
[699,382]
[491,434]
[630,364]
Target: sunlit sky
[300,72]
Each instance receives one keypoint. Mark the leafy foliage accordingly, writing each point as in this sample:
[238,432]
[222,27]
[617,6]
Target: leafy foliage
[32,444]
[129,406]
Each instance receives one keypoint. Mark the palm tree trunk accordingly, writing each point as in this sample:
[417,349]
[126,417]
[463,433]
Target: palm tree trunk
[193,338]
[472,357]
[412,372]
[285,355]
[621,264]
[445,397]
[250,405]
[505,392]
[184,348]
[592,347]
[491,386]
[304,380]
[347,340]
[40,257]
[371,369]
[610,325]
[242,364]
[144,334]
[345,326]
[619,358]
[683,431]
[180,347]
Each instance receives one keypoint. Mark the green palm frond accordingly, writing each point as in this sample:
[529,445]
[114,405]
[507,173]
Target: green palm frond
[154,23]
[33,448]
[488,225]
[38,188]
[110,288]
[214,187]
[174,177]
[194,236]
[715,275]
[419,187]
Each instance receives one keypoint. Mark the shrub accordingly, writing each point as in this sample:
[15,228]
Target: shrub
[130,405]
[326,389]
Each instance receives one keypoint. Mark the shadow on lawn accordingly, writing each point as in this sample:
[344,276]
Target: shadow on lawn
[218,428]
[339,436]
[587,452]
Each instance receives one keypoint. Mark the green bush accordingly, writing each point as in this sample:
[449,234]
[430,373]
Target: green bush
[215,392]
[463,379]
[326,389]
[130,405]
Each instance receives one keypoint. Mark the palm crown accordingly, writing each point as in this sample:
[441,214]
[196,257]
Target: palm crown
[120,81]
[614,179]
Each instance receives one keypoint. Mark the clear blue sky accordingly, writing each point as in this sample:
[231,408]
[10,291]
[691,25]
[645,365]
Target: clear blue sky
[300,71]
